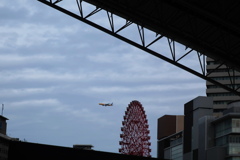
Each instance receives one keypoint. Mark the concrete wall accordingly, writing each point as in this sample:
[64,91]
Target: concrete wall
[217,153]
[169,124]
[205,137]
[193,111]
[3,125]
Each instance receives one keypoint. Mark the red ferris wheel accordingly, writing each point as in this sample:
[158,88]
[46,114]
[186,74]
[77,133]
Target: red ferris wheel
[135,134]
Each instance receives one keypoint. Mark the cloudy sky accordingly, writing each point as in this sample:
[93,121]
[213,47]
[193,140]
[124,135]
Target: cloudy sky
[54,70]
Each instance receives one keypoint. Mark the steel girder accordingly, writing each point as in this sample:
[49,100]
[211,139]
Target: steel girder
[175,56]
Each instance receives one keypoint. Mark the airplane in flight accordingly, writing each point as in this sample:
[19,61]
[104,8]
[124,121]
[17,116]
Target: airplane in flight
[106,104]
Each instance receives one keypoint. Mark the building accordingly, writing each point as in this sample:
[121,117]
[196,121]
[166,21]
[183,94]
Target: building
[83,146]
[4,139]
[205,136]
[3,125]
[30,151]
[221,135]
[170,137]
[223,74]
[193,111]
[12,149]
[227,132]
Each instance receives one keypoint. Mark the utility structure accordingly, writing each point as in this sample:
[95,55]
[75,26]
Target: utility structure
[135,134]
[204,28]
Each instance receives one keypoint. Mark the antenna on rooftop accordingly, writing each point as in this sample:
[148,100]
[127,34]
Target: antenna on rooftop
[2,108]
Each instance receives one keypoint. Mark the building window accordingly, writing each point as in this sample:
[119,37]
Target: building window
[220,94]
[233,158]
[220,102]
[174,153]
[236,125]
[223,128]
[177,152]
[234,139]
[223,131]
[167,154]
[176,141]
[225,78]
[212,62]
[222,141]
[218,110]
[228,85]
[234,149]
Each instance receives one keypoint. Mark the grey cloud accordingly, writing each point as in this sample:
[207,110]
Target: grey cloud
[54,70]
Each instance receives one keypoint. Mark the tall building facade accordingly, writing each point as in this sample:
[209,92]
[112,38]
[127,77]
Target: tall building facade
[193,111]
[205,136]
[226,76]
[170,133]
[227,132]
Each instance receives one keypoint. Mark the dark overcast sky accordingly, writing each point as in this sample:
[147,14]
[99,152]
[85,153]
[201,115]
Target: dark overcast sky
[54,70]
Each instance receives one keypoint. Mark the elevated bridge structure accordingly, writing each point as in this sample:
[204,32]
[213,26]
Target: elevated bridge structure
[203,29]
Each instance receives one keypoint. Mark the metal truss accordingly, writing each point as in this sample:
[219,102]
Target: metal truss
[144,41]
